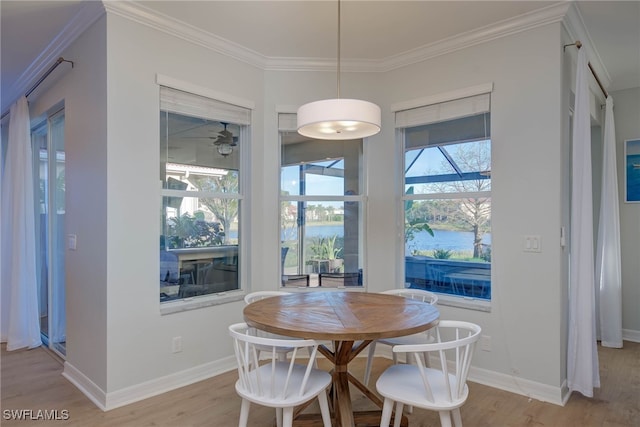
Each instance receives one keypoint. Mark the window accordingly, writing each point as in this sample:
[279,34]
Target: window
[321,210]
[447,201]
[202,142]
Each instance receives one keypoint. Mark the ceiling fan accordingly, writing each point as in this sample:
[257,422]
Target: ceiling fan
[225,141]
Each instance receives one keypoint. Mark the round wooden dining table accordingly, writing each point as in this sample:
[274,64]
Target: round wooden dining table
[351,320]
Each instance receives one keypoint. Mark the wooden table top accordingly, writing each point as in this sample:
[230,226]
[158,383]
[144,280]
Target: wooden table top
[341,316]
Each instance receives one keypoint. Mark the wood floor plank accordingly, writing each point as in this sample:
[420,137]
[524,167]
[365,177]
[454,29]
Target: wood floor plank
[31,379]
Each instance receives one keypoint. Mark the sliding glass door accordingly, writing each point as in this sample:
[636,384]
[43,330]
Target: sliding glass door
[49,167]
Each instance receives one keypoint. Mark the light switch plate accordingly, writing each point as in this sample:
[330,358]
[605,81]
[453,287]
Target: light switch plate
[532,243]
[72,240]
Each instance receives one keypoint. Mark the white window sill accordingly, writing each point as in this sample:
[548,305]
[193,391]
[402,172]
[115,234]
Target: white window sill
[195,303]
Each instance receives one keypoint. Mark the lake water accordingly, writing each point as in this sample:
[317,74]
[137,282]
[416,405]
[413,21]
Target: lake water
[442,239]
[445,239]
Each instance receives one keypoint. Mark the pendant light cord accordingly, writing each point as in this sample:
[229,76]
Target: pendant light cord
[338,79]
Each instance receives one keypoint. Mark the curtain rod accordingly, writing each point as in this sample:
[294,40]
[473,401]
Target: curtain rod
[41,79]
[578,44]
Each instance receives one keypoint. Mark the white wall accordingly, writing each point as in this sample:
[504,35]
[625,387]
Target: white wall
[83,90]
[527,171]
[139,338]
[627,121]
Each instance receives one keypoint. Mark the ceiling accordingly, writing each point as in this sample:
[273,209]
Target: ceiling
[371,30]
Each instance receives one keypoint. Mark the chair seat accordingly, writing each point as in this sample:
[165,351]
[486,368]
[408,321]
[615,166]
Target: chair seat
[318,380]
[404,383]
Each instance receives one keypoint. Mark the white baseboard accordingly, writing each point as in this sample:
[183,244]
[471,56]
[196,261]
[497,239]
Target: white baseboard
[521,386]
[135,393]
[631,335]
[85,385]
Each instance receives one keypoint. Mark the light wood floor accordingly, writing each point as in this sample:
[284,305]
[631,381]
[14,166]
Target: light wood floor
[31,380]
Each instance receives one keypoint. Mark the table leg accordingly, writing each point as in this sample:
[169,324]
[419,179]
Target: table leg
[343,353]
[344,410]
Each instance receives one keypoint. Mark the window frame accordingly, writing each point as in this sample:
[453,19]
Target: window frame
[287,123]
[413,119]
[242,195]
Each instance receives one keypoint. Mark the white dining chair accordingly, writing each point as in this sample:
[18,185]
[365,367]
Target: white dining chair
[419,338]
[275,383]
[258,295]
[443,389]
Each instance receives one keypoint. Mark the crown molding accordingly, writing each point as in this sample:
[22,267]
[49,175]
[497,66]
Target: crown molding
[541,17]
[575,27]
[143,15]
[538,18]
[89,13]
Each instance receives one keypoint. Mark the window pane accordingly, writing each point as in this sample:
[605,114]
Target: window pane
[320,168]
[321,232]
[322,246]
[448,246]
[199,239]
[198,249]
[197,150]
[454,168]
[448,236]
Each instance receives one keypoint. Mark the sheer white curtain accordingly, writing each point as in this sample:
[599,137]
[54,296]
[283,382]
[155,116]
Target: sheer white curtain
[582,353]
[608,264]
[20,315]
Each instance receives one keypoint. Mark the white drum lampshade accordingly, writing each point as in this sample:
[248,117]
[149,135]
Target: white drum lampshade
[339,119]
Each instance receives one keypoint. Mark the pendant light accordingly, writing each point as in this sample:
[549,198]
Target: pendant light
[339,118]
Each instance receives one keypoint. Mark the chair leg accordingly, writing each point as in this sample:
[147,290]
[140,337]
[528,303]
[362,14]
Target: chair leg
[387,408]
[244,413]
[324,409]
[398,415]
[367,370]
[426,359]
[445,418]
[278,417]
[457,418]
[287,416]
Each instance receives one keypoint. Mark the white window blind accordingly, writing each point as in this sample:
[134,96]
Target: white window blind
[177,101]
[287,122]
[443,111]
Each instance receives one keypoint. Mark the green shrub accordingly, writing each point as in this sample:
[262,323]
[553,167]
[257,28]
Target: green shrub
[442,253]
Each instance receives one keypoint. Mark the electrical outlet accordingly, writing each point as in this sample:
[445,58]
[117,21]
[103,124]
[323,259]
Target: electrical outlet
[176,344]
[485,343]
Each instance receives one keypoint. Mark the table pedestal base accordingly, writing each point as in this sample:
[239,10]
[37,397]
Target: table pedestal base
[340,396]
